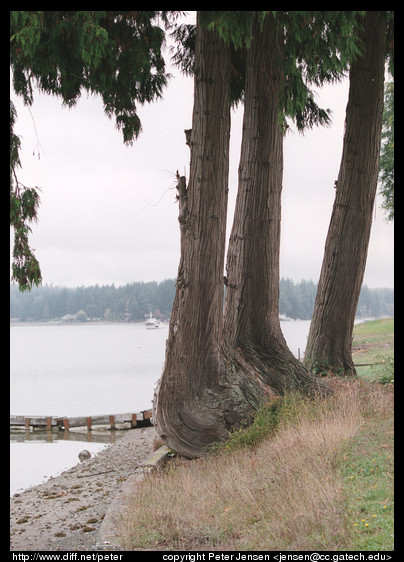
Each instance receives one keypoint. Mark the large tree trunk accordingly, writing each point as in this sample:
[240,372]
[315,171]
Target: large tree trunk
[204,390]
[329,346]
[252,296]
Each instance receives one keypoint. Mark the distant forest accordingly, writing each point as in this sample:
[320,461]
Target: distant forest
[134,301]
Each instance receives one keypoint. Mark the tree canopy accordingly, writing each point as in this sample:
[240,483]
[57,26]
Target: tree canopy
[24,202]
[118,55]
[386,172]
[317,47]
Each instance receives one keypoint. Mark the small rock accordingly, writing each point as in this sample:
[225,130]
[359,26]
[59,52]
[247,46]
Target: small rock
[84,455]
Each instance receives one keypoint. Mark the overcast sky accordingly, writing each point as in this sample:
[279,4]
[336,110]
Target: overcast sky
[108,212]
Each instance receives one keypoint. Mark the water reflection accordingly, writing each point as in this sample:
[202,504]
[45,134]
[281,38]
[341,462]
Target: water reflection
[43,436]
[36,456]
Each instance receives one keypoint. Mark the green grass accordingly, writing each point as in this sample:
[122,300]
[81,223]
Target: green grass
[383,328]
[264,425]
[372,344]
[367,469]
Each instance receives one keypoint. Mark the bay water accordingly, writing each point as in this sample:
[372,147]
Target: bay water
[85,370]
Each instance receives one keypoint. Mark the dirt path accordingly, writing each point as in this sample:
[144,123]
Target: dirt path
[66,512]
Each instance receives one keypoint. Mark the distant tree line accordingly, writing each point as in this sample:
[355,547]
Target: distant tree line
[134,301]
[127,303]
[296,300]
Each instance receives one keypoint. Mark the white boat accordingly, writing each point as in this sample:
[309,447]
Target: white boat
[152,323]
[284,318]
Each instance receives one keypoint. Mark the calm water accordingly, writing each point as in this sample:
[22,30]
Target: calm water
[72,370]
[34,462]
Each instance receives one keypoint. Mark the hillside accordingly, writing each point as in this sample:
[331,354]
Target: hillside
[373,342]
[306,475]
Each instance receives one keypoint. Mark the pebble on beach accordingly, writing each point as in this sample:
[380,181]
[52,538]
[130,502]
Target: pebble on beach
[66,512]
[84,455]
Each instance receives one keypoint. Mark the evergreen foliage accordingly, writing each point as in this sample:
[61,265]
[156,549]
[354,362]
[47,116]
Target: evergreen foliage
[128,303]
[117,55]
[131,302]
[317,47]
[24,202]
[386,166]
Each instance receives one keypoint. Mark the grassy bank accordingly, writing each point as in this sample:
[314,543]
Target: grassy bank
[308,475]
[373,343]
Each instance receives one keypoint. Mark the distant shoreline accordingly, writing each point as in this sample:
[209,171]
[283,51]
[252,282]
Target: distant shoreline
[14,324]
[61,323]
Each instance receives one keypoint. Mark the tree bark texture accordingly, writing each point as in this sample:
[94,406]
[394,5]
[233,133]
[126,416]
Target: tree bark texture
[203,390]
[252,295]
[329,346]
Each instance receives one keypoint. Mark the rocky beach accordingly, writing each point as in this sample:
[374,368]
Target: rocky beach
[66,512]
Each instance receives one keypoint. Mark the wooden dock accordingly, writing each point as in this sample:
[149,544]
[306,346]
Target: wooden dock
[140,419]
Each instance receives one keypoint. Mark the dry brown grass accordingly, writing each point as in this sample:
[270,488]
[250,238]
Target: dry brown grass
[285,494]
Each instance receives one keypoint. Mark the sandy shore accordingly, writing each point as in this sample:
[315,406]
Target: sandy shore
[66,512]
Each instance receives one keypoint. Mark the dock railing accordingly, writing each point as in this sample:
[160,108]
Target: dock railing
[139,419]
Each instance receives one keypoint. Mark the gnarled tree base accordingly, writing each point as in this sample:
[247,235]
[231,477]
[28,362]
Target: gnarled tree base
[189,424]
[280,369]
